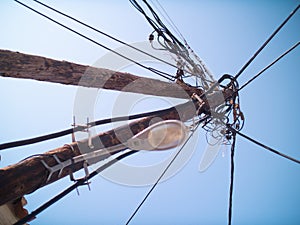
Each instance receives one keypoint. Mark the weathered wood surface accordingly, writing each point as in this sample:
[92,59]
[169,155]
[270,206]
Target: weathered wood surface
[19,65]
[29,175]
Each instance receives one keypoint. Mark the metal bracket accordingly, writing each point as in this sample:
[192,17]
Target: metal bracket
[86,171]
[59,167]
[201,102]
[86,129]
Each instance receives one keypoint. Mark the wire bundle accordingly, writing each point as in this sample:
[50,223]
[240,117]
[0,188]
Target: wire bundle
[188,62]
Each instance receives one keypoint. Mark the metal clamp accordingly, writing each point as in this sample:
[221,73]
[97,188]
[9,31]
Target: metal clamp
[201,102]
[86,171]
[59,167]
[86,128]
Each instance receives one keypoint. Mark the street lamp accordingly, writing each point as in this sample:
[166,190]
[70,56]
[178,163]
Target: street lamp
[159,136]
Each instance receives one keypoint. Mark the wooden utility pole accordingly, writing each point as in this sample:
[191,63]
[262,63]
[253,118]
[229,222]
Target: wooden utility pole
[18,65]
[29,175]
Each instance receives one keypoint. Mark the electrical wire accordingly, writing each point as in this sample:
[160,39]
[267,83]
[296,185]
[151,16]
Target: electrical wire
[168,19]
[167,76]
[160,73]
[103,33]
[162,174]
[80,182]
[187,60]
[268,66]
[263,145]
[187,46]
[266,42]
[231,179]
[160,30]
[79,128]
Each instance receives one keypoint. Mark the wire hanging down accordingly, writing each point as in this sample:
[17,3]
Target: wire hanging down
[231,179]
[173,45]
[158,72]
[266,42]
[162,174]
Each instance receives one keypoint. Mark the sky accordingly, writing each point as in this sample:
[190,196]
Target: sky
[225,34]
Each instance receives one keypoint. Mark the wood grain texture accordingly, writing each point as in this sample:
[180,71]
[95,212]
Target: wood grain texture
[29,175]
[19,65]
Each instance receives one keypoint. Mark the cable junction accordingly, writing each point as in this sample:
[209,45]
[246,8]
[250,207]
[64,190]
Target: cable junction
[189,64]
[186,61]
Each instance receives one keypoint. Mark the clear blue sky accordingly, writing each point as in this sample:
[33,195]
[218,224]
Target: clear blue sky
[224,34]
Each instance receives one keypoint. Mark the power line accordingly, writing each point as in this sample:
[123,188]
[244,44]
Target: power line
[155,25]
[233,145]
[231,179]
[264,146]
[160,73]
[103,33]
[185,56]
[78,183]
[163,173]
[167,18]
[79,128]
[271,64]
[266,42]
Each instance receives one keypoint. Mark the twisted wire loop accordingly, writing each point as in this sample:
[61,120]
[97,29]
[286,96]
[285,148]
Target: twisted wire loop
[222,122]
[227,114]
[188,63]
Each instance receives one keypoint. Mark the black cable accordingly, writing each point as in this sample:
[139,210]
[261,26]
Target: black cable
[160,73]
[264,146]
[174,39]
[267,67]
[150,21]
[160,28]
[79,128]
[231,179]
[266,42]
[162,174]
[171,44]
[78,183]
[29,141]
[124,43]
[216,84]
[103,33]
